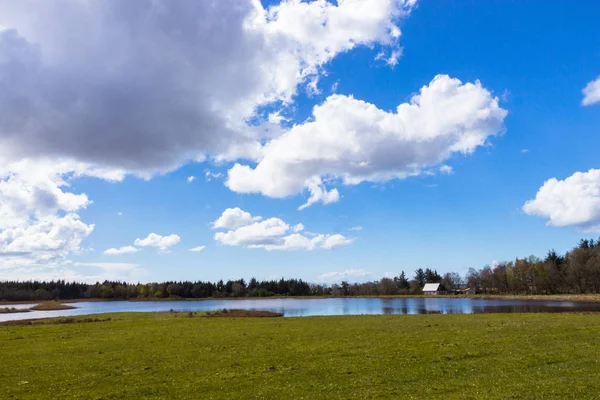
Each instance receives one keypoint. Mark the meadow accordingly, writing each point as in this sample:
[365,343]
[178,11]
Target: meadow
[188,356]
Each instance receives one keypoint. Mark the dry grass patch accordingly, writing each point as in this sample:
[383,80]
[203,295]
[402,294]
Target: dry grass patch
[51,306]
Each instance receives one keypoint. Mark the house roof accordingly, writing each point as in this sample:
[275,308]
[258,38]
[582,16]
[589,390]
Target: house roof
[431,287]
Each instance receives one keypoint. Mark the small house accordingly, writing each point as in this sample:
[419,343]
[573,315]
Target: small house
[431,289]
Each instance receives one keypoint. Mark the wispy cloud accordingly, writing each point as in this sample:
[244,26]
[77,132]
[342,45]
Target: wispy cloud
[121,250]
[349,274]
[591,93]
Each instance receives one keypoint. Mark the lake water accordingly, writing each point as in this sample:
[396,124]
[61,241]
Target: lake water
[311,307]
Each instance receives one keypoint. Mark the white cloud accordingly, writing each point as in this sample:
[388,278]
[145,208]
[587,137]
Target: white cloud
[117,267]
[121,250]
[39,223]
[35,190]
[120,214]
[107,83]
[191,179]
[318,193]
[312,87]
[264,232]
[574,201]
[154,240]
[298,227]
[525,151]
[209,175]
[335,86]
[349,274]
[354,141]
[332,241]
[591,92]
[233,218]
[198,248]
[128,272]
[276,118]
[356,228]
[275,234]
[76,102]
[446,169]
[88,272]
[48,240]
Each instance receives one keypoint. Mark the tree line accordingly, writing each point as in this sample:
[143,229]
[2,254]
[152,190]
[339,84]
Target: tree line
[576,271]
[55,290]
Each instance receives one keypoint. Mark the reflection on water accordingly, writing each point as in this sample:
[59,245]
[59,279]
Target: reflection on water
[311,307]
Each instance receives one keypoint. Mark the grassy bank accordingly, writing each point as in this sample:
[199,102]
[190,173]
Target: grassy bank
[175,356]
[46,306]
[12,310]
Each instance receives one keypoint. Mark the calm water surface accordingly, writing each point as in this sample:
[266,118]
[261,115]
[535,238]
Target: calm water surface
[310,307]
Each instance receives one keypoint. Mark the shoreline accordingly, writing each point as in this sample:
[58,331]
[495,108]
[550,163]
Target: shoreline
[576,298]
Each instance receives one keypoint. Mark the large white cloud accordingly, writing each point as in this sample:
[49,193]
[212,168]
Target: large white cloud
[148,85]
[162,242]
[49,240]
[275,234]
[103,88]
[23,198]
[39,224]
[260,233]
[355,141]
[591,93]
[233,218]
[574,201]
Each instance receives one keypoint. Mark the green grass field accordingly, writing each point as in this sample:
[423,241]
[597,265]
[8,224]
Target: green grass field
[173,356]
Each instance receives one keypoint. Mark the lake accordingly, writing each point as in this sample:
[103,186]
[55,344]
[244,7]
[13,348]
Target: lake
[319,306]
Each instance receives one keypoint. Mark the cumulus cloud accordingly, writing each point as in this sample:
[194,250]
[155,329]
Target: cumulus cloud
[102,89]
[275,234]
[108,82]
[197,249]
[121,250]
[191,179]
[154,240]
[256,234]
[354,141]
[332,241]
[591,93]
[35,190]
[298,227]
[233,218]
[574,201]
[39,223]
[446,169]
[49,240]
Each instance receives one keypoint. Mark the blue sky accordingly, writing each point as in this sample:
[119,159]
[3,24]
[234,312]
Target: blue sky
[532,63]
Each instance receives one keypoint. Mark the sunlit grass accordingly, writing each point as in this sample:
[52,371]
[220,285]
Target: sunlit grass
[175,356]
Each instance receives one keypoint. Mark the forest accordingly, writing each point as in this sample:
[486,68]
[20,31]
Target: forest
[575,272]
